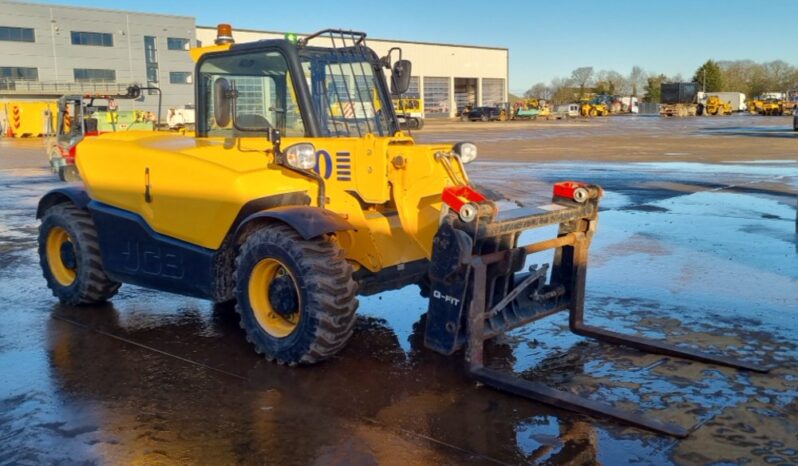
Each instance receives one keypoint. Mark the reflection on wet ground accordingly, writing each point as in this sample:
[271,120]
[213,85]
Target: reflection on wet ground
[703,255]
[758,132]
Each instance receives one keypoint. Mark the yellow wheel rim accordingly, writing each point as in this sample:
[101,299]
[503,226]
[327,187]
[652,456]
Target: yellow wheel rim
[260,280]
[55,241]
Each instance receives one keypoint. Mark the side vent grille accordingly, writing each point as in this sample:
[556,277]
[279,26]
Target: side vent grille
[343,166]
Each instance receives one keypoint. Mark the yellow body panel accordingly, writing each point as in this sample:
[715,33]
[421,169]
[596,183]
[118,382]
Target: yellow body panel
[198,52]
[199,185]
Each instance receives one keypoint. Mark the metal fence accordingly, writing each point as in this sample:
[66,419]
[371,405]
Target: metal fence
[10,87]
[648,108]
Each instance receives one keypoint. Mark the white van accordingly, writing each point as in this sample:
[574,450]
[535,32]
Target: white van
[568,111]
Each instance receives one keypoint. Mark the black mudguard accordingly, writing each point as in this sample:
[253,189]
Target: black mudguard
[74,194]
[308,221]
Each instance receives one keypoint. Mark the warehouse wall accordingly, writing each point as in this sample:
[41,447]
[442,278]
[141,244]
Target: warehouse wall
[55,56]
[438,64]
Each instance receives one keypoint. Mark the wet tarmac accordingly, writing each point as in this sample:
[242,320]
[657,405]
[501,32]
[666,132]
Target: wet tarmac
[703,255]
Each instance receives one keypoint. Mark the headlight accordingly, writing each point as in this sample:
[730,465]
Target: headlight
[466,150]
[301,155]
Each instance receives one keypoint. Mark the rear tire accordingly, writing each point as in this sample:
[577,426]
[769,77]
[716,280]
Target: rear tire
[69,254]
[296,298]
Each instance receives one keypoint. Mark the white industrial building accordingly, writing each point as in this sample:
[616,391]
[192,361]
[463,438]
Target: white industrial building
[49,50]
[446,76]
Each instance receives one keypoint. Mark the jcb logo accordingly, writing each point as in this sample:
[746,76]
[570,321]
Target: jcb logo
[152,260]
[448,299]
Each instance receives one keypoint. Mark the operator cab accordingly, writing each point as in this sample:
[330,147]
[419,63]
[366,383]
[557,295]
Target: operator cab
[298,89]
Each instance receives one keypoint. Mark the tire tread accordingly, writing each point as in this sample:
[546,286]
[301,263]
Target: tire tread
[93,285]
[330,289]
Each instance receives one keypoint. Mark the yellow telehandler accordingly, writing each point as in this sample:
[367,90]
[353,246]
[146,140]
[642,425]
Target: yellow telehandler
[292,208]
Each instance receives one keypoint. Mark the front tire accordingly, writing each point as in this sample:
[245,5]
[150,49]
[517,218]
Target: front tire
[69,254]
[68,173]
[296,298]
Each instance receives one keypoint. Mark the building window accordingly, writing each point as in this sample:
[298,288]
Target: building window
[96,76]
[151,59]
[152,75]
[174,43]
[436,97]
[150,51]
[180,77]
[99,39]
[17,34]
[492,91]
[18,73]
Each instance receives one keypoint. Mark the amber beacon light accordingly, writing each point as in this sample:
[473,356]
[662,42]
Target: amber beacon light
[224,34]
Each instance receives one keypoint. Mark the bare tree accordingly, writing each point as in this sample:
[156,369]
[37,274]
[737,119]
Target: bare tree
[581,77]
[611,82]
[637,79]
[561,90]
[538,91]
[778,74]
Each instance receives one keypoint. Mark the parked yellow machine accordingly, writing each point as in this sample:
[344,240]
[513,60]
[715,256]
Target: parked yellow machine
[590,109]
[410,111]
[714,106]
[766,106]
[531,108]
[292,209]
[772,108]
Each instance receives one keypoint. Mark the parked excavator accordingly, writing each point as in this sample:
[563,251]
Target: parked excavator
[291,209]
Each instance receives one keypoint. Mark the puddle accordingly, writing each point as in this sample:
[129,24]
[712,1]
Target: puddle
[157,378]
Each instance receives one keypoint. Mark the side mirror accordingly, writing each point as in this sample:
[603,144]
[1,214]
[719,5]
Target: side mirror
[400,77]
[221,102]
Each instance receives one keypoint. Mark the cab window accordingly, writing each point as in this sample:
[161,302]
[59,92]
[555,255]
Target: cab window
[264,96]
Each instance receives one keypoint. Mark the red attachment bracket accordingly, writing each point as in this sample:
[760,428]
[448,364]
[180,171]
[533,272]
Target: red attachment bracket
[570,190]
[457,196]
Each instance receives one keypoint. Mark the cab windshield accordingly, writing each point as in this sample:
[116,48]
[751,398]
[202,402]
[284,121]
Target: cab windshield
[348,95]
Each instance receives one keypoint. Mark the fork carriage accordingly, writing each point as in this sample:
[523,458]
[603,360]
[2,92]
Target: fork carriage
[478,290]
